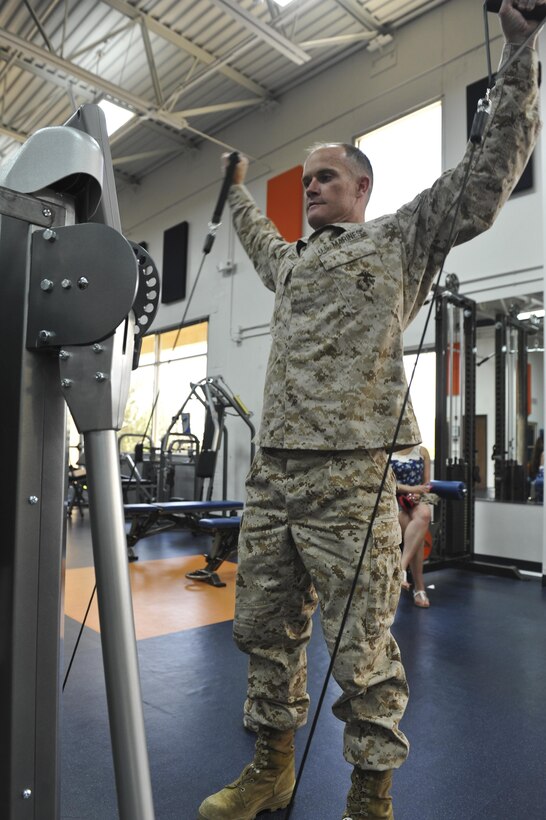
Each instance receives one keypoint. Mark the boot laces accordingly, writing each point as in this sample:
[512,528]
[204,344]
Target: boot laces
[261,758]
[246,776]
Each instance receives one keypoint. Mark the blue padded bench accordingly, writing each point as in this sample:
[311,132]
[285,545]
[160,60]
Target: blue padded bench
[225,534]
[159,516]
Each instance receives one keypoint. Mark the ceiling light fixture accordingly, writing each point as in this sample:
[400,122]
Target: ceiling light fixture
[527,315]
[116,115]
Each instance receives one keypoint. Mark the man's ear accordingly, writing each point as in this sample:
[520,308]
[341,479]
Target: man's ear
[363,185]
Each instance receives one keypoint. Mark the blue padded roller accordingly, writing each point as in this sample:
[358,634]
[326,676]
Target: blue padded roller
[225,523]
[448,489]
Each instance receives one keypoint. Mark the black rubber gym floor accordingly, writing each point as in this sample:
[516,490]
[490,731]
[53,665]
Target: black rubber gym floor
[476,663]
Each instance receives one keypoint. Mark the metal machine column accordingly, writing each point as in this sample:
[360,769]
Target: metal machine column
[455,415]
[510,409]
[74,294]
[33,490]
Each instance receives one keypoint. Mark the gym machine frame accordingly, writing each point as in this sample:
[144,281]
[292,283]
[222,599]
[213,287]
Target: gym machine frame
[455,412]
[78,294]
[509,453]
[215,396]
[455,449]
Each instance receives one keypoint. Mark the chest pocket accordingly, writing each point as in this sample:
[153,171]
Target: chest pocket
[354,272]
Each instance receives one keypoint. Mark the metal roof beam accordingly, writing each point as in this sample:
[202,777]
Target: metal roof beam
[158,152]
[185,45]
[340,39]
[13,135]
[269,35]
[212,109]
[26,65]
[90,46]
[362,16]
[138,104]
[151,62]
[38,25]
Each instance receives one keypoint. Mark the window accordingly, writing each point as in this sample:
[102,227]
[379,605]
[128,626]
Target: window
[423,394]
[168,362]
[406,156]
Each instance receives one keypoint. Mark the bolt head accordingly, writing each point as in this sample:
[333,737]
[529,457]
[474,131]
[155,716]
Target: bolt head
[66,284]
[83,283]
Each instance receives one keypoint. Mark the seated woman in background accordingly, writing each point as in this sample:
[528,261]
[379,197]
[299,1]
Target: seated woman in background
[412,470]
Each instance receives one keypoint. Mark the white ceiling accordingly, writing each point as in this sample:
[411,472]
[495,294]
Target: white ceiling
[186,68]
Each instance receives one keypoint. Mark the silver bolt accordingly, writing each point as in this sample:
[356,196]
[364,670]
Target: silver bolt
[33,499]
[100,377]
[45,335]
[48,234]
[47,212]
[66,284]
[83,282]
[46,285]
[97,348]
[26,794]
[66,383]
[64,355]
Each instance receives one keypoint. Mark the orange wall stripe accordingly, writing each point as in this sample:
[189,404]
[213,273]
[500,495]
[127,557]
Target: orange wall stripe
[285,203]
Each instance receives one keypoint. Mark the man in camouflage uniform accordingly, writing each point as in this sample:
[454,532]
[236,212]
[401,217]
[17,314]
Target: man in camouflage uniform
[334,390]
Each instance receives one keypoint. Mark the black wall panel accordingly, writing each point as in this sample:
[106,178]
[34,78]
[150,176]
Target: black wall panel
[175,259]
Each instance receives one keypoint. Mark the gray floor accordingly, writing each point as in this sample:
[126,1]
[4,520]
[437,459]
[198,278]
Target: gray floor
[476,663]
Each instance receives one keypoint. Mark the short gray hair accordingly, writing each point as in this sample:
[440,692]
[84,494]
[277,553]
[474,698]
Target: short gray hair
[356,157]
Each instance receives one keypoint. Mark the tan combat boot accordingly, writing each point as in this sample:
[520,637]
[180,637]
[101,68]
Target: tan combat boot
[266,783]
[368,797]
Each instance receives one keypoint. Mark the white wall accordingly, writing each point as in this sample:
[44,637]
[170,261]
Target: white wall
[434,57]
[509,531]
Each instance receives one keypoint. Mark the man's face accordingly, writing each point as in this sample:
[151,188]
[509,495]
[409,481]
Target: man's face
[334,191]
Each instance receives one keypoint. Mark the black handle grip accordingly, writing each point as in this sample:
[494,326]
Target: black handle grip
[228,179]
[217,215]
[538,13]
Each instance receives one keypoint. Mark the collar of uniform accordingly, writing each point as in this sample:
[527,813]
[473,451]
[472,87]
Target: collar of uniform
[326,233]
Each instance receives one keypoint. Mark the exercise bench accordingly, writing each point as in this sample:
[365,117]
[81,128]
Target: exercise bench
[225,535]
[157,517]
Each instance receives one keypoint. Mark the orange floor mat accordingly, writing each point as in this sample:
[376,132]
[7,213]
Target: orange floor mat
[164,600]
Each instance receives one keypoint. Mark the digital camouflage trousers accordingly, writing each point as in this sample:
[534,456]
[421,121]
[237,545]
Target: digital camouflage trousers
[305,522]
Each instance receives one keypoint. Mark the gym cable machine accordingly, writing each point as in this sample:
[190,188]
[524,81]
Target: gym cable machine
[455,411]
[455,448]
[217,399]
[79,296]
[510,450]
